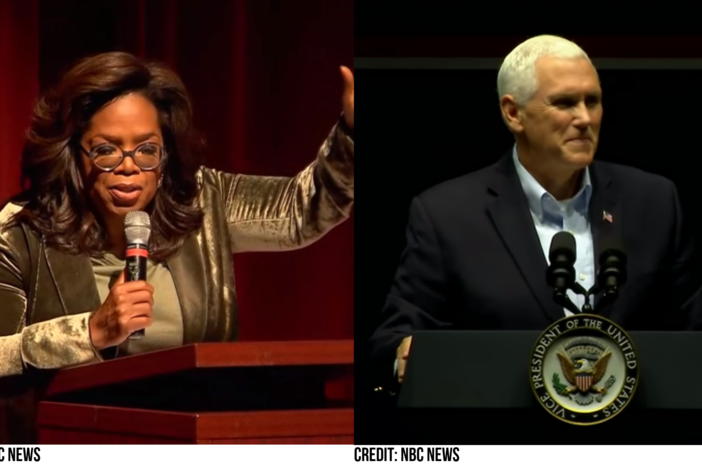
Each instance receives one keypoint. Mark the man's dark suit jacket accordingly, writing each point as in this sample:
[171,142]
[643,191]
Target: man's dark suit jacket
[473,258]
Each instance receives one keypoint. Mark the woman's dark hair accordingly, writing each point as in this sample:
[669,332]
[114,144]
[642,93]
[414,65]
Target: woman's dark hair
[55,203]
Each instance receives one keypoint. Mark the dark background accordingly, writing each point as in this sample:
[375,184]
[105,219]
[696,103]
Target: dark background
[452,125]
[421,127]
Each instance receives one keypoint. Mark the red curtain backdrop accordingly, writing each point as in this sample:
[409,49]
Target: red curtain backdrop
[19,83]
[265,82]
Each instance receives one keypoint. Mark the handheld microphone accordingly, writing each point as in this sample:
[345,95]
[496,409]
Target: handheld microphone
[560,274]
[137,230]
[613,273]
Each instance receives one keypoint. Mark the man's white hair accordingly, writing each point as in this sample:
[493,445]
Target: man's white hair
[517,75]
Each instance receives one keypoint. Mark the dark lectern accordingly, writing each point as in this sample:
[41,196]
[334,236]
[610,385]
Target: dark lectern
[228,393]
[472,387]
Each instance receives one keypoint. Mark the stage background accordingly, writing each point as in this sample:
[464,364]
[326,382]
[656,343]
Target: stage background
[264,79]
[266,88]
[431,78]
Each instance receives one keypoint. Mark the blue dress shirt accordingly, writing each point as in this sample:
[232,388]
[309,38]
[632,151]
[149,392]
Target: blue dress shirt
[551,216]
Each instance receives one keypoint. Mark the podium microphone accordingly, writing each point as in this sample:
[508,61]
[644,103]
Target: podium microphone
[137,230]
[560,274]
[612,274]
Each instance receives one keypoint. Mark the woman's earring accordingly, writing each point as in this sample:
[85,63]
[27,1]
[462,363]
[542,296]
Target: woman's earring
[160,181]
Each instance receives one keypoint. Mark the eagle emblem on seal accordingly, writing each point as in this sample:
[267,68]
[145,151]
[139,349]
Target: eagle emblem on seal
[584,365]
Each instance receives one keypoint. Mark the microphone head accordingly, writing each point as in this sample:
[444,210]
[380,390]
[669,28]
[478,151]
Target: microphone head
[137,227]
[612,259]
[562,244]
[612,248]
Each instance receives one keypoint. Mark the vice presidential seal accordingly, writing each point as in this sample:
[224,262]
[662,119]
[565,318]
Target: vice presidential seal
[584,369]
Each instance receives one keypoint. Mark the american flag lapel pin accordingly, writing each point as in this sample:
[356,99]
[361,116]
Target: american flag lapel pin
[607,217]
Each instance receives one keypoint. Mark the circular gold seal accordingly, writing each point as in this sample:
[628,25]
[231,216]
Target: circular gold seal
[584,369]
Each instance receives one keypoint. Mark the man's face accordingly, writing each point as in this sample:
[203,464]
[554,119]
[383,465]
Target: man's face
[562,120]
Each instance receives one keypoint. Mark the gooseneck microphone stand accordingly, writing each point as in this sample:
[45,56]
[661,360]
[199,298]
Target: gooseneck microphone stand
[612,275]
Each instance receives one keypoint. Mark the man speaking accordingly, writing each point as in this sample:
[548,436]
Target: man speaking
[477,246]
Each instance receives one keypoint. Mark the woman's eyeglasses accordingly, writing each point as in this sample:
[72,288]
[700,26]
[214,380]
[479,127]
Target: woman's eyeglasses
[107,156]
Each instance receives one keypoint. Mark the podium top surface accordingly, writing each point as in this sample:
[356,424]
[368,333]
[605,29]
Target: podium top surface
[200,356]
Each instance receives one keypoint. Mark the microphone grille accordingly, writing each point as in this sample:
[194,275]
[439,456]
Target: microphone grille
[613,244]
[563,242]
[137,227]
[613,250]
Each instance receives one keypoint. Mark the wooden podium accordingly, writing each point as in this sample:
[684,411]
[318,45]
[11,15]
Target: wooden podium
[214,393]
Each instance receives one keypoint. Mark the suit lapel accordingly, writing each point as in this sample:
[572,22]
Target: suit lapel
[74,280]
[512,219]
[605,213]
[188,271]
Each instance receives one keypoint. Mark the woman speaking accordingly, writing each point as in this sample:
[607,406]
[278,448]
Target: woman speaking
[115,136]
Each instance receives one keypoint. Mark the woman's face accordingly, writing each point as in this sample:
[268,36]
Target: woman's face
[128,122]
